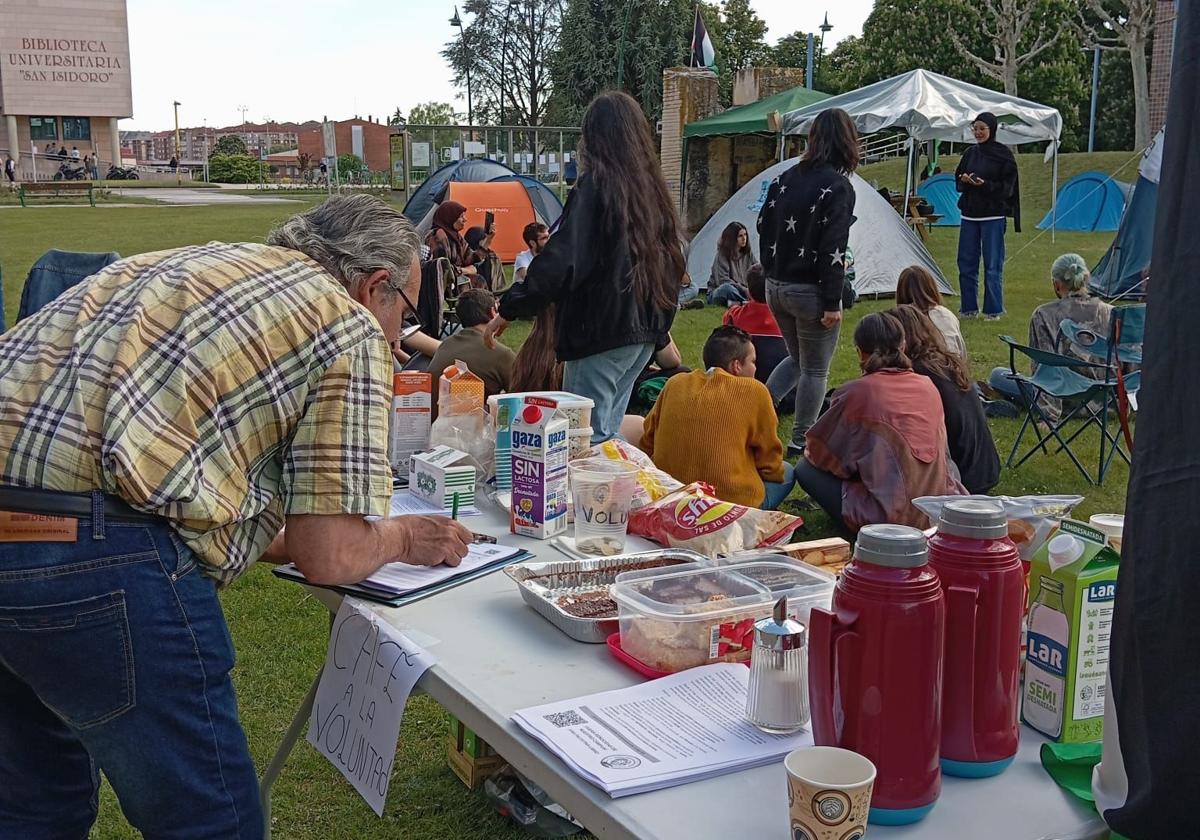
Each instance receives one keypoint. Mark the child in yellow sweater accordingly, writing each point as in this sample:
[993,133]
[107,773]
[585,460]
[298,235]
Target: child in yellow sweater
[731,412]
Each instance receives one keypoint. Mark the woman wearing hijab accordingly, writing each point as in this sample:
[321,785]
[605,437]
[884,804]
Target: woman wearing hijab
[987,178]
[445,238]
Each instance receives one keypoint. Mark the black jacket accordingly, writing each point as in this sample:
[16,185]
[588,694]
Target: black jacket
[588,273]
[803,229]
[967,432]
[999,195]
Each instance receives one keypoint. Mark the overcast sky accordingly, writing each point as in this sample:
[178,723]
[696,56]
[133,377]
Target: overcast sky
[304,59]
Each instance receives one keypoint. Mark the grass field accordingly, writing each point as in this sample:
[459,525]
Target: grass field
[280,635]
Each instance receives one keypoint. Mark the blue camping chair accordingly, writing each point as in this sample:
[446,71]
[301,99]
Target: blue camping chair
[1122,346]
[1059,377]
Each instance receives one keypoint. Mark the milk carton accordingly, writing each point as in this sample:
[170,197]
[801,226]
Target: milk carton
[1072,587]
[441,474]
[411,414]
[539,470]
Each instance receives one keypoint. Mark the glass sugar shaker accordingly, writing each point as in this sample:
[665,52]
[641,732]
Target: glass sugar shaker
[777,698]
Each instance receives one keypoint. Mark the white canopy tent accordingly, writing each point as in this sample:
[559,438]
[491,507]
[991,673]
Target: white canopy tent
[929,106]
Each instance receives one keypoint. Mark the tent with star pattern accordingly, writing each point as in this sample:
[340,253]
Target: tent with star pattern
[882,242]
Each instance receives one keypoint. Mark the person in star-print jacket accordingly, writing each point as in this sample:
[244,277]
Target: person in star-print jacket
[803,229]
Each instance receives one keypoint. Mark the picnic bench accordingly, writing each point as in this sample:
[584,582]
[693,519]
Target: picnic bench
[922,225]
[57,189]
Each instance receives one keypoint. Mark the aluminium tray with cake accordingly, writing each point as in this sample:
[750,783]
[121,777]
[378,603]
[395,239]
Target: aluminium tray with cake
[573,595]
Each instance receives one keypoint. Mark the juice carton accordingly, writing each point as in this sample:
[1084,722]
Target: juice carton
[409,431]
[1072,591]
[459,390]
[440,474]
[539,470]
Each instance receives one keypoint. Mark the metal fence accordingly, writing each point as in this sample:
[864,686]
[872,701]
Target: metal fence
[546,153]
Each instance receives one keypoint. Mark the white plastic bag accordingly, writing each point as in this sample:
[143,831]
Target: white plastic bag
[1030,518]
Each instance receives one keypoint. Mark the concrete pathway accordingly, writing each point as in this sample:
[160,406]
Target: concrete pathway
[200,196]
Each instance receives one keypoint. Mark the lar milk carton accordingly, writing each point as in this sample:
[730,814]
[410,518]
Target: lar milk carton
[539,469]
[409,430]
[1072,591]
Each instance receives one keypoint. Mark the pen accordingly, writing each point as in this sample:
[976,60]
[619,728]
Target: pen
[454,508]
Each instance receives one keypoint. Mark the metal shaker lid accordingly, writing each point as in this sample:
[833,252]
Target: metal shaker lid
[780,632]
[898,546]
[974,518]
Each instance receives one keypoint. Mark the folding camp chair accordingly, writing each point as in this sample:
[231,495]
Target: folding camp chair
[1122,346]
[1059,377]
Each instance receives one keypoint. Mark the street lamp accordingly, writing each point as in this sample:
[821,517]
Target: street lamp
[178,176]
[824,27]
[457,21]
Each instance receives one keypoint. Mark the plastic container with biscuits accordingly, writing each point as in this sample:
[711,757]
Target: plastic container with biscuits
[675,620]
[804,585]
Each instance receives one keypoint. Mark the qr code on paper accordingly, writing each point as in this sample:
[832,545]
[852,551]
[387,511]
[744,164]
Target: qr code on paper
[567,718]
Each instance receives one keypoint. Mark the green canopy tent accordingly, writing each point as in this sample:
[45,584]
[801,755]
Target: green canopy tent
[753,118]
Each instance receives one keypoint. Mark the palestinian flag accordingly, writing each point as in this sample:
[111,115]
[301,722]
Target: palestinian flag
[703,54]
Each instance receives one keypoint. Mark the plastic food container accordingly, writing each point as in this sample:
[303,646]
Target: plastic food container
[580,441]
[805,586]
[675,620]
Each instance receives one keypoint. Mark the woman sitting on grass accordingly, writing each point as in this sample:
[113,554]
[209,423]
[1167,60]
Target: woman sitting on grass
[967,432]
[917,286]
[882,443]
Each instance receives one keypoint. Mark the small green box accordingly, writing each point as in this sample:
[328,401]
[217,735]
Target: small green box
[467,742]
[1072,592]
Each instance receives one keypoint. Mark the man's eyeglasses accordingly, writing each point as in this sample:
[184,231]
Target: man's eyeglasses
[411,329]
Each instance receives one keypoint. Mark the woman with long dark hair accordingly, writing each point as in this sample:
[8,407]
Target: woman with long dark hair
[727,280]
[803,228]
[882,443]
[967,434]
[614,266]
[987,178]
[536,368]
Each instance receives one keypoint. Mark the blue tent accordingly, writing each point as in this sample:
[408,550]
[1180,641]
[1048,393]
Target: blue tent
[1090,201]
[544,199]
[433,190]
[1119,271]
[942,194]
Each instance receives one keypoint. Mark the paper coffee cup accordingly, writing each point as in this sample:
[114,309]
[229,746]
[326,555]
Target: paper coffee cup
[829,793]
[1113,526]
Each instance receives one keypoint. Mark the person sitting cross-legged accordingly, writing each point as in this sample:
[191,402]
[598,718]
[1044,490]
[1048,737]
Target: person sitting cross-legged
[719,426]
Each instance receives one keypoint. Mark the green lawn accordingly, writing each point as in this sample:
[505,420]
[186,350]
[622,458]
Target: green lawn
[280,635]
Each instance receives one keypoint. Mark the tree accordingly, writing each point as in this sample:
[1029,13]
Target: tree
[235,169]
[506,49]
[738,38]
[655,33]
[229,144]
[350,165]
[1016,31]
[304,161]
[1114,117]
[397,118]
[790,51]
[1129,25]
[433,113]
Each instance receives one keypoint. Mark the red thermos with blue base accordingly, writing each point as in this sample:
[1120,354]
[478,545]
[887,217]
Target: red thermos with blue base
[875,669]
[984,585]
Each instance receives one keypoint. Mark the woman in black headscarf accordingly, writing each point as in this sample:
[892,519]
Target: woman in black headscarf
[987,178]
[445,238]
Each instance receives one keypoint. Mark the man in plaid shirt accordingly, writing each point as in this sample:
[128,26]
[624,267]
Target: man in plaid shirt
[159,424]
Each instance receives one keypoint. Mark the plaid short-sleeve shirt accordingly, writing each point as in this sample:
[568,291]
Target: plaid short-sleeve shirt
[220,386]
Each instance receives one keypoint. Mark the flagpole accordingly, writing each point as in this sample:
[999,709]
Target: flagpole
[695,20]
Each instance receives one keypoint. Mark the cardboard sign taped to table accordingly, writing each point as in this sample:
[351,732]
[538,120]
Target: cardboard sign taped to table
[370,669]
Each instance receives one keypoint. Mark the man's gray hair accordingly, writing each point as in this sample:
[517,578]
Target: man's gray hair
[352,236]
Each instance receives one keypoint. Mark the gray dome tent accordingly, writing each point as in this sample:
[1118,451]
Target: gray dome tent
[882,242]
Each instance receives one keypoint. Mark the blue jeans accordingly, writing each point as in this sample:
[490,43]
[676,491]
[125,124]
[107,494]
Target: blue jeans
[798,311]
[777,491]
[688,294]
[986,239]
[726,294]
[114,656]
[607,379]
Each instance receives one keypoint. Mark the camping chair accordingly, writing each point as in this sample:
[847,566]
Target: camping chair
[1122,346]
[55,272]
[1059,377]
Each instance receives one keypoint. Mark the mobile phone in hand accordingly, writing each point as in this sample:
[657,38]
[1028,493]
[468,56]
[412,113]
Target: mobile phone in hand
[489,222]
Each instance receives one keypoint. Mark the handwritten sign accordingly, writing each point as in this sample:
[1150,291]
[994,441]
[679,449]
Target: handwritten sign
[370,670]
